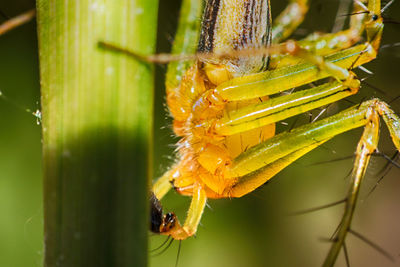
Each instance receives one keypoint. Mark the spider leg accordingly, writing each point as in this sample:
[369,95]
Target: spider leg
[162,185]
[288,20]
[366,146]
[187,34]
[286,143]
[363,18]
[282,107]
[366,115]
[323,44]
[254,180]
[196,208]
[282,79]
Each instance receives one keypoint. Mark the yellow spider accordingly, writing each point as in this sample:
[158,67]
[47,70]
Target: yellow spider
[226,103]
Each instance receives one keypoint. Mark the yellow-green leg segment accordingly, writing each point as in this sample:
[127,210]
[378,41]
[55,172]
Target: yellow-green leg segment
[289,19]
[281,79]
[286,143]
[365,148]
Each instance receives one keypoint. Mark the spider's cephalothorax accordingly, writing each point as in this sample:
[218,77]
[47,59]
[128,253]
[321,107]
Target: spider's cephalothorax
[226,120]
[196,106]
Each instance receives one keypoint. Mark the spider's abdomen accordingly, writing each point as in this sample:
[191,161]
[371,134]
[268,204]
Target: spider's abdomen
[230,25]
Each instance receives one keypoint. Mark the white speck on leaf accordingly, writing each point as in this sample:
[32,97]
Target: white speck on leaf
[97,7]
[94,6]
[109,70]
[38,116]
[139,11]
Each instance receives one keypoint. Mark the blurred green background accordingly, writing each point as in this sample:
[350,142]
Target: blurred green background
[255,230]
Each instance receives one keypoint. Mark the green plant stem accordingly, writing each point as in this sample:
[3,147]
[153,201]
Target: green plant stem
[97,123]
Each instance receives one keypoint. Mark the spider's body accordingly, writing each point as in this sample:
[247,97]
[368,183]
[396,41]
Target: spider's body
[205,155]
[226,119]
